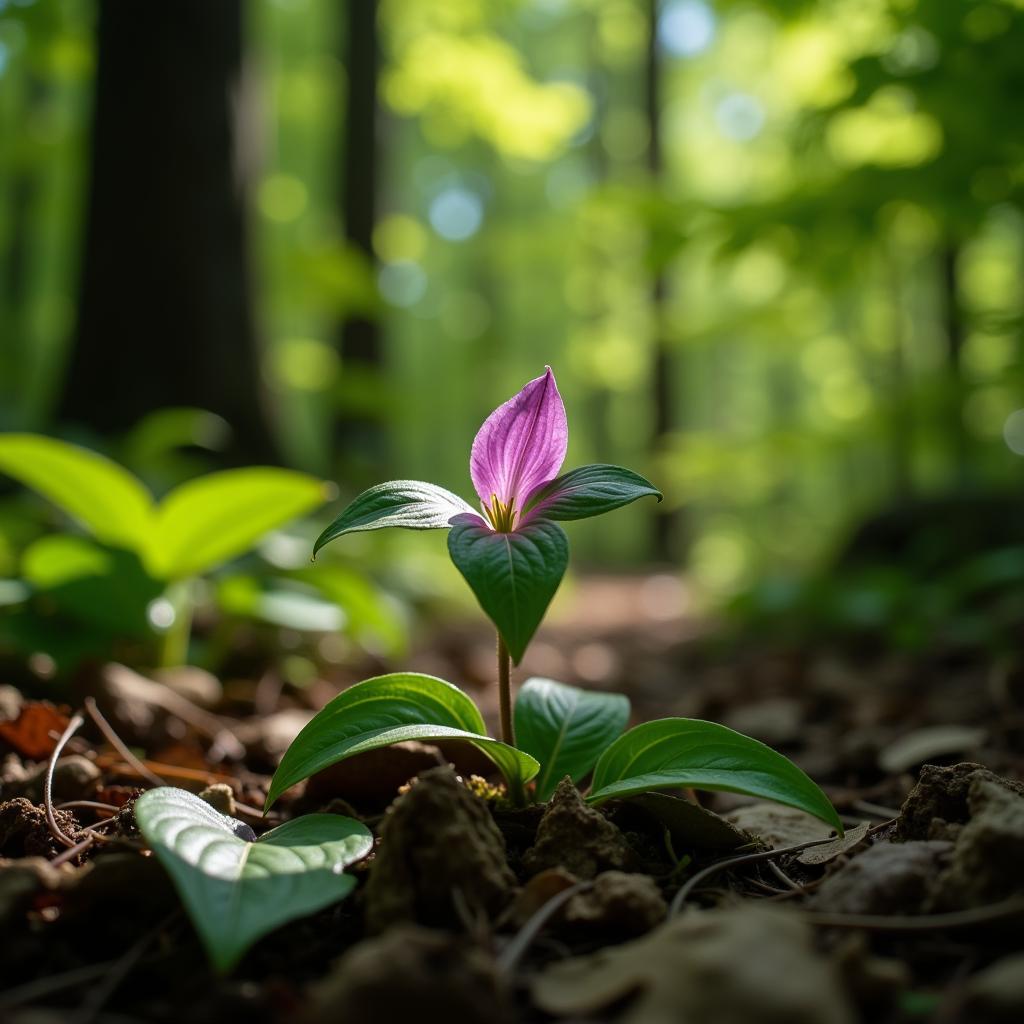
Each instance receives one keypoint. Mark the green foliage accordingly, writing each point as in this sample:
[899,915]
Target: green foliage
[392,709]
[411,504]
[591,491]
[674,752]
[566,729]
[237,888]
[514,575]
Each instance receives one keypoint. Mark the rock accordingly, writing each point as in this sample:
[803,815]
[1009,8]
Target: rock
[74,778]
[438,839]
[267,737]
[626,905]
[193,683]
[25,833]
[996,994]
[938,803]
[728,966]
[888,878]
[221,797]
[989,849]
[536,893]
[412,974]
[578,838]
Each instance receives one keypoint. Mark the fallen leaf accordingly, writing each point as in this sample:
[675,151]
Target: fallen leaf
[34,733]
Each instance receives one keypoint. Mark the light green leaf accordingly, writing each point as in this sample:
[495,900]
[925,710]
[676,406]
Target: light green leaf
[106,499]
[211,519]
[566,728]
[411,504]
[673,752]
[392,709]
[237,888]
[514,575]
[590,491]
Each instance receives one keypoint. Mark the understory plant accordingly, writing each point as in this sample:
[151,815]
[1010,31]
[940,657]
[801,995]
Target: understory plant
[513,554]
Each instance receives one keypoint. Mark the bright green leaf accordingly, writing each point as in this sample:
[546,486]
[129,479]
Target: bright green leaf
[591,491]
[111,503]
[211,519]
[411,504]
[514,575]
[566,728]
[673,752]
[237,888]
[392,709]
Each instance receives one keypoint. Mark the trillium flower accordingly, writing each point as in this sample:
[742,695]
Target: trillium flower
[512,552]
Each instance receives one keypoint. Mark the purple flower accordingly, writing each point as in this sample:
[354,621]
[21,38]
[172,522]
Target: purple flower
[518,451]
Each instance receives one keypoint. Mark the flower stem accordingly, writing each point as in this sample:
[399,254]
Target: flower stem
[508,734]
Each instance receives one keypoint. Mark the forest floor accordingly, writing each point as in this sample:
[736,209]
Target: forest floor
[641,912]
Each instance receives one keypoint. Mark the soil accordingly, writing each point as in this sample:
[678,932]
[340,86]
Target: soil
[642,912]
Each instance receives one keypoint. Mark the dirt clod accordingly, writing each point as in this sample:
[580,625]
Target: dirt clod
[728,966]
[577,837]
[624,904]
[437,840]
[74,778]
[939,801]
[221,797]
[885,879]
[412,974]
[24,832]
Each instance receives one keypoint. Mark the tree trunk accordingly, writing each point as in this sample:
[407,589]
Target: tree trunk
[959,441]
[361,438]
[165,314]
[666,541]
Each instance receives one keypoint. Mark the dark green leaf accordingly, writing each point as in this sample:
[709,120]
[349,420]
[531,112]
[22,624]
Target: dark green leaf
[514,575]
[566,728]
[590,491]
[673,752]
[690,826]
[392,709]
[412,504]
[237,888]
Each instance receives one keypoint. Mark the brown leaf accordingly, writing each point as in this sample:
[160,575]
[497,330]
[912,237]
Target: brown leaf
[35,731]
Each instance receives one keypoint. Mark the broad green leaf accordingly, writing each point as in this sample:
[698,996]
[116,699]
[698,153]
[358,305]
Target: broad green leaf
[412,504]
[673,752]
[392,709]
[207,521]
[566,728]
[237,888]
[590,491]
[111,503]
[514,575]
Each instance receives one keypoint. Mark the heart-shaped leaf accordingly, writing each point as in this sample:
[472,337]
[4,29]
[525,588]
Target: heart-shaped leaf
[412,504]
[590,491]
[392,709]
[673,752]
[514,575]
[566,728]
[213,518]
[237,888]
[105,498]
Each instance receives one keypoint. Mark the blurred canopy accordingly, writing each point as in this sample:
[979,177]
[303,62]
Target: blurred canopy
[773,249]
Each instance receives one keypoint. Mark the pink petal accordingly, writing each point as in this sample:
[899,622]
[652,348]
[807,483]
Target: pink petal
[521,445]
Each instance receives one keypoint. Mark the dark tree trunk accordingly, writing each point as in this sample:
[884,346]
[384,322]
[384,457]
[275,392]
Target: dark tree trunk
[959,441]
[360,438]
[666,540]
[165,313]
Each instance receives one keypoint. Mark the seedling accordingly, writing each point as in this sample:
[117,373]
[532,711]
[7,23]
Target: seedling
[514,556]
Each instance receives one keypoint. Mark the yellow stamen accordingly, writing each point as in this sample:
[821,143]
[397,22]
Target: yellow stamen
[502,515]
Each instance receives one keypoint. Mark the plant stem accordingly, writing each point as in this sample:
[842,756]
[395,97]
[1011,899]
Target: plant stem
[508,734]
[174,642]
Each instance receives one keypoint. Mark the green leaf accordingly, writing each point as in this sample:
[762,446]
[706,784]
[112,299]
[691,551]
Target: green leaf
[207,521]
[566,728]
[514,575]
[412,504]
[392,709]
[673,752]
[237,888]
[111,503]
[590,491]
